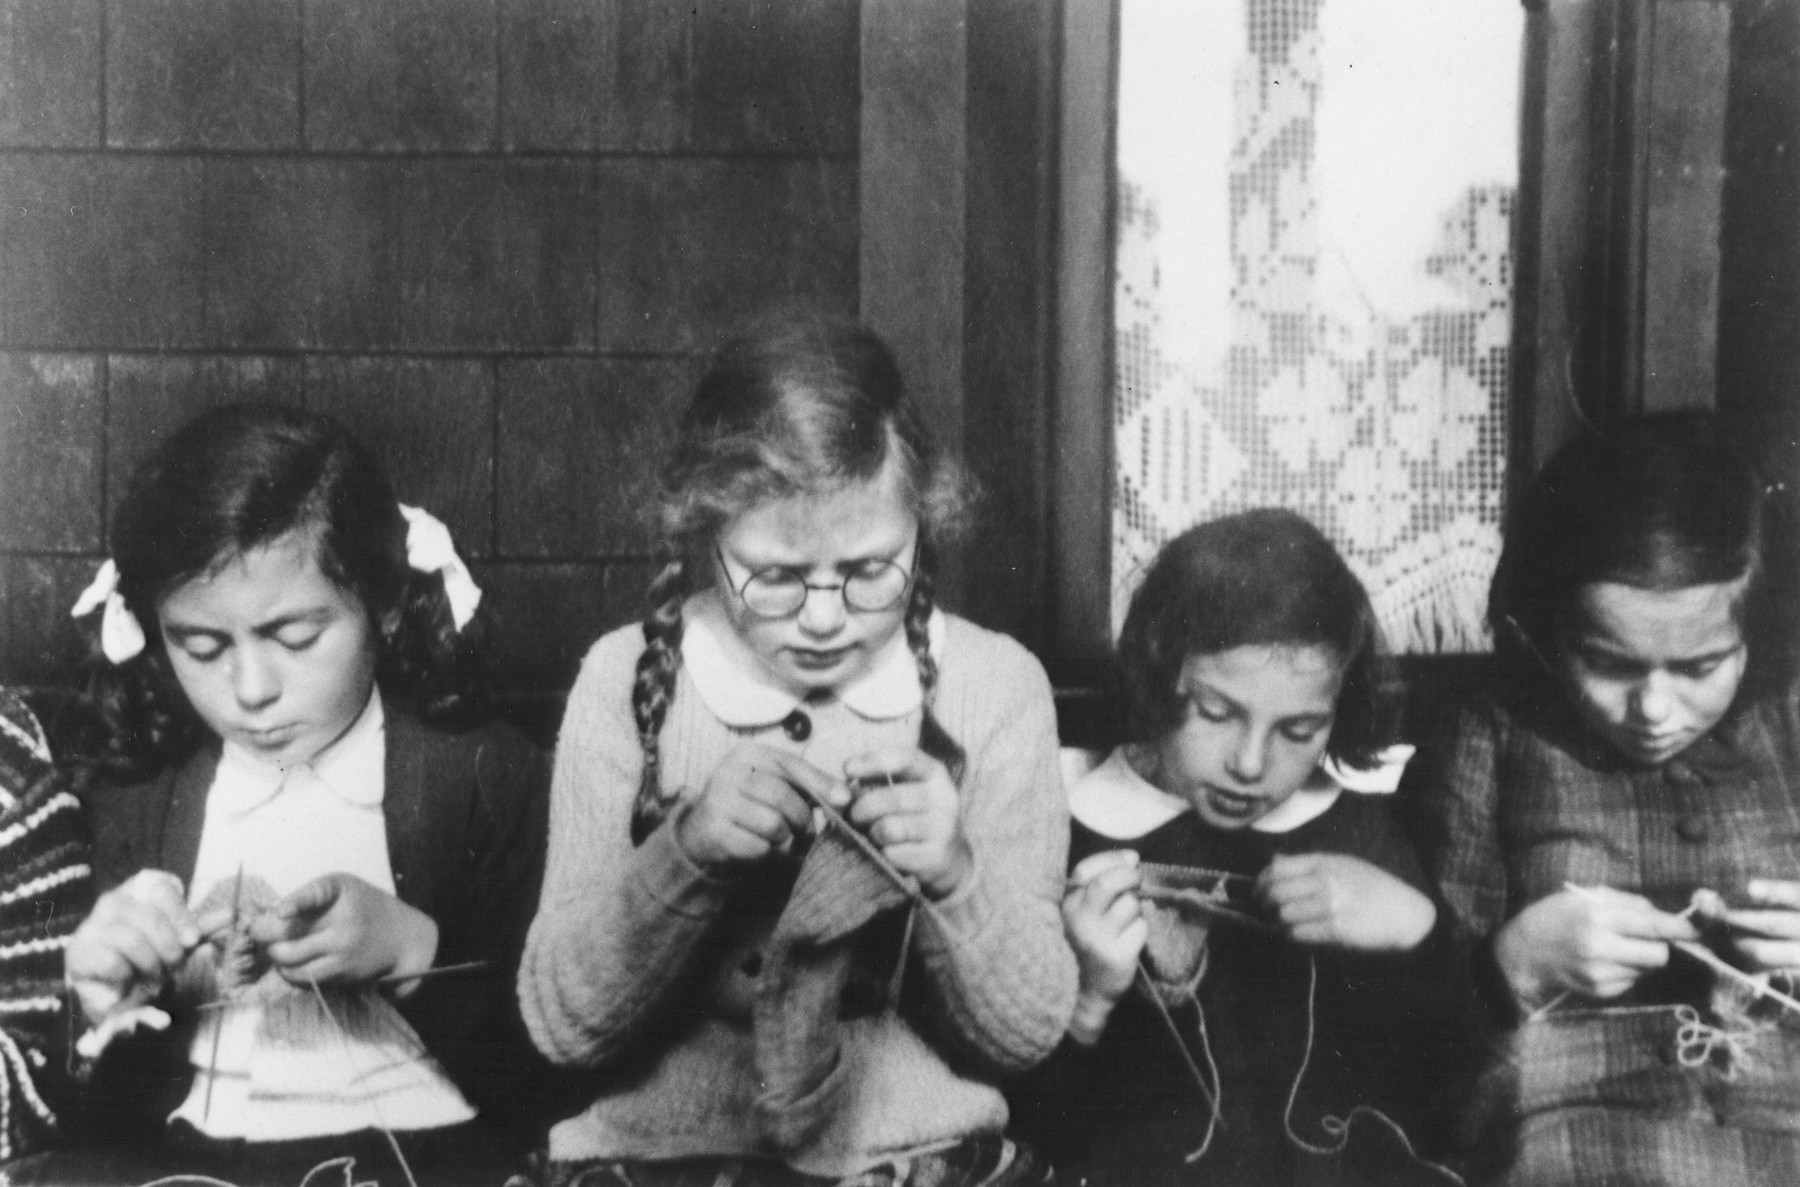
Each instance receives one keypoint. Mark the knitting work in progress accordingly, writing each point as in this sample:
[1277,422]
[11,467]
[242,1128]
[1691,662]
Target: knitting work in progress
[1181,906]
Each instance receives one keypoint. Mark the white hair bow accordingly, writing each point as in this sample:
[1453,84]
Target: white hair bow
[1381,779]
[429,550]
[121,635]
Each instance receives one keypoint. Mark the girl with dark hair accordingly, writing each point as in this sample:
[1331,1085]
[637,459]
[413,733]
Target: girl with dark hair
[1614,826]
[291,838]
[806,849]
[1265,995]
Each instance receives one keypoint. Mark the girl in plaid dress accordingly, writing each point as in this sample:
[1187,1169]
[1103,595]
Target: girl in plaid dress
[1615,827]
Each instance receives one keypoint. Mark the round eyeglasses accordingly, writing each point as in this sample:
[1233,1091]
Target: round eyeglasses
[779,591]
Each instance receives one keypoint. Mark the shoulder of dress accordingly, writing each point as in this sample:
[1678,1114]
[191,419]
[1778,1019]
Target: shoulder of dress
[979,653]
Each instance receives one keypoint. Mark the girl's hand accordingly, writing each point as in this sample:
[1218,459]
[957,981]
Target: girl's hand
[752,807]
[1595,941]
[1774,942]
[1105,924]
[909,807]
[1344,901]
[338,929]
[133,939]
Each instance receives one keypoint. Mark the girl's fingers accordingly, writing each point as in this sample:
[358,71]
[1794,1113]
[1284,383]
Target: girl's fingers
[1769,925]
[1105,887]
[321,970]
[1092,865]
[773,794]
[1122,912]
[764,822]
[898,764]
[310,900]
[1774,892]
[1628,952]
[1770,954]
[889,831]
[290,955]
[799,773]
[873,803]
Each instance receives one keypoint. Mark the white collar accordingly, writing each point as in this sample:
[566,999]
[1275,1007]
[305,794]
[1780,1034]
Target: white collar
[740,692]
[1117,802]
[352,767]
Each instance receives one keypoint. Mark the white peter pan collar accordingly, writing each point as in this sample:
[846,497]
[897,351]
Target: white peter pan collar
[352,767]
[1117,802]
[741,693]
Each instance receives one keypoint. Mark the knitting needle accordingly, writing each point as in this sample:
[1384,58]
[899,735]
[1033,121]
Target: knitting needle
[442,970]
[906,884]
[1755,984]
[212,1067]
[1712,961]
[1148,988]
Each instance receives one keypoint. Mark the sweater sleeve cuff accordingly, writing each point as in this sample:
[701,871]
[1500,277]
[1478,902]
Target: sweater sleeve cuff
[669,876]
[969,908]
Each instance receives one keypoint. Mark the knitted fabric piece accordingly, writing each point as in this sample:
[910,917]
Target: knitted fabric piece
[797,1042]
[45,889]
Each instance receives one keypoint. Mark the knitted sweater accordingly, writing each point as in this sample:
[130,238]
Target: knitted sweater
[45,889]
[642,965]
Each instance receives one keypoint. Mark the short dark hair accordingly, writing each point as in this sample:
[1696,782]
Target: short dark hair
[1658,502]
[1262,577]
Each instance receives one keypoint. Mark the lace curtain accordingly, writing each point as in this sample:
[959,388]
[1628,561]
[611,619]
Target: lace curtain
[1313,286]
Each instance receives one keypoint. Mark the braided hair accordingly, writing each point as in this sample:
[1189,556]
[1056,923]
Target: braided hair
[792,407]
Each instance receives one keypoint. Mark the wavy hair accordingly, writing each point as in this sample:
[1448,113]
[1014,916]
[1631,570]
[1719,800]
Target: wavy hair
[237,478]
[1259,578]
[791,407]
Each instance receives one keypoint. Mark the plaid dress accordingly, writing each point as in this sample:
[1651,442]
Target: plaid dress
[1642,1090]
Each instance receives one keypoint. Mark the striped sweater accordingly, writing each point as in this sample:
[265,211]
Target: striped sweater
[45,888]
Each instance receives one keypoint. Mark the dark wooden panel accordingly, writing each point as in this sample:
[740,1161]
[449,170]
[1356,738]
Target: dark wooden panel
[303,253]
[496,255]
[1685,133]
[149,397]
[775,75]
[1081,422]
[430,422]
[913,203]
[580,441]
[579,75]
[400,75]
[546,616]
[1009,298]
[690,247]
[203,73]
[51,433]
[46,646]
[100,251]
[50,73]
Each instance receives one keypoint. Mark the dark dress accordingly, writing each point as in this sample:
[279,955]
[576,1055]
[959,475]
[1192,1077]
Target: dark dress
[466,815]
[1386,1033]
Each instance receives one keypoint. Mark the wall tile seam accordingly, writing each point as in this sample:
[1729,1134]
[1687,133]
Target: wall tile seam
[284,354]
[200,151]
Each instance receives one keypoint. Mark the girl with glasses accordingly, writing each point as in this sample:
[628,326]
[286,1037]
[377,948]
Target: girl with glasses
[801,907]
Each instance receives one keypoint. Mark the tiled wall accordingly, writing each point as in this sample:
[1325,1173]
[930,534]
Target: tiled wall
[494,236]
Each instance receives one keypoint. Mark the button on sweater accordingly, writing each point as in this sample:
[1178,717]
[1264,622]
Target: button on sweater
[644,965]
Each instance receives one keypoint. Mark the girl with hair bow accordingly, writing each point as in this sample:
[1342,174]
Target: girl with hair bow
[296,826]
